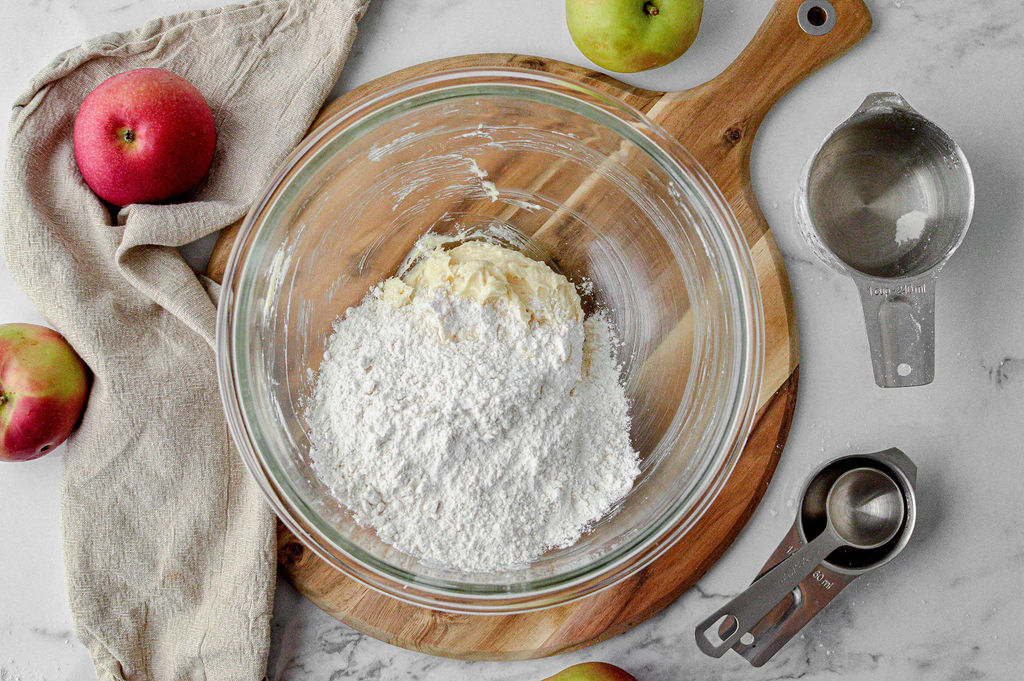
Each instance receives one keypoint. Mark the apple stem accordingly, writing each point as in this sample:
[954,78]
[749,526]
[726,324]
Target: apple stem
[650,9]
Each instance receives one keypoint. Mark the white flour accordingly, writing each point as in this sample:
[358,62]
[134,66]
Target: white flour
[466,436]
[910,226]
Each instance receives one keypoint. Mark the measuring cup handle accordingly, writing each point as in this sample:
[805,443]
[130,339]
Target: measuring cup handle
[900,321]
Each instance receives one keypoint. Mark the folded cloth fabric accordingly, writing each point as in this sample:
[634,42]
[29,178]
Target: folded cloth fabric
[168,546]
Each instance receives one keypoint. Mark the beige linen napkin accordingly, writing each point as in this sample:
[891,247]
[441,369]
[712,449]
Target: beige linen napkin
[169,548]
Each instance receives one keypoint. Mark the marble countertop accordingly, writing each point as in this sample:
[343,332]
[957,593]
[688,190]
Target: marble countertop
[947,608]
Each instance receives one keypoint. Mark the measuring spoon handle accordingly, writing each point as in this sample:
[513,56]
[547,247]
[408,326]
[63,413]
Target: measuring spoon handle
[751,606]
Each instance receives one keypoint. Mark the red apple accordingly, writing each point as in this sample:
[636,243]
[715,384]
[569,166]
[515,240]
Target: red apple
[144,136]
[592,671]
[43,387]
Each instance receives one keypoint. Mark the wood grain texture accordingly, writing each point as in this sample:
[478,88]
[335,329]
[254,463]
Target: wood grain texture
[716,122]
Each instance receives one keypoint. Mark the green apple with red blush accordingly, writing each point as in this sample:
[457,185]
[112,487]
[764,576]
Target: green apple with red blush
[633,35]
[43,389]
[144,136]
[592,671]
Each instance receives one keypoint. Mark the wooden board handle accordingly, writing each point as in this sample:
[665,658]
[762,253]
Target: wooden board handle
[782,54]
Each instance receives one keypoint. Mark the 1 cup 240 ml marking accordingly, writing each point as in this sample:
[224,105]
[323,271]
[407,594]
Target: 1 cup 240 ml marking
[898,290]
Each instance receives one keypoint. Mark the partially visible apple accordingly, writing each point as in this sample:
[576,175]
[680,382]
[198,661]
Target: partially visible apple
[633,35]
[144,136]
[592,671]
[43,388]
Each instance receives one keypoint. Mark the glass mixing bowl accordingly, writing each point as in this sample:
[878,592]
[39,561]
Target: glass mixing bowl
[565,173]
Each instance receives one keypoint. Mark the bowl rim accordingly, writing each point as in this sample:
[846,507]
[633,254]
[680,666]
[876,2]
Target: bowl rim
[658,537]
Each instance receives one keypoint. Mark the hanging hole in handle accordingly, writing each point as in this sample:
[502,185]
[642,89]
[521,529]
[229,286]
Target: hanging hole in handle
[720,630]
[816,17]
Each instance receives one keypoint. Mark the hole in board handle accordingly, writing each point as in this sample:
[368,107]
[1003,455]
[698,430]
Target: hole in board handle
[816,17]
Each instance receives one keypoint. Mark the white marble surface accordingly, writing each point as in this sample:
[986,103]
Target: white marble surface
[949,607]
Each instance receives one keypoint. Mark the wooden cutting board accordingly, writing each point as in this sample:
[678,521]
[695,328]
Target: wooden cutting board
[716,122]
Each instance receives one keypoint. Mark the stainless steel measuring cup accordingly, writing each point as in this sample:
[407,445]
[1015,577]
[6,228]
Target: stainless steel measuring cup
[887,199]
[840,568]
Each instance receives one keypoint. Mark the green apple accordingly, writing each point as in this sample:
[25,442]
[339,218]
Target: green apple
[633,35]
[592,671]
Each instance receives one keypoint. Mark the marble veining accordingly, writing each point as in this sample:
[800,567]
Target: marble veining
[947,608]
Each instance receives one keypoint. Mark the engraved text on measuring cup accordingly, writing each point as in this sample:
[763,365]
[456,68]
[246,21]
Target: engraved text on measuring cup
[898,290]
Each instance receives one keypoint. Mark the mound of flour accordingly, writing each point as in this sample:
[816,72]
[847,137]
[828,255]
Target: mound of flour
[466,436]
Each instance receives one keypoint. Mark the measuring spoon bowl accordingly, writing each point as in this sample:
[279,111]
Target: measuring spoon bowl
[865,508]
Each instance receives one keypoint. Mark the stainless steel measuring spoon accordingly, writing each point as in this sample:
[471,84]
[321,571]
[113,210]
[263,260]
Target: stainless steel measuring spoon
[864,510]
[839,569]
[887,199]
